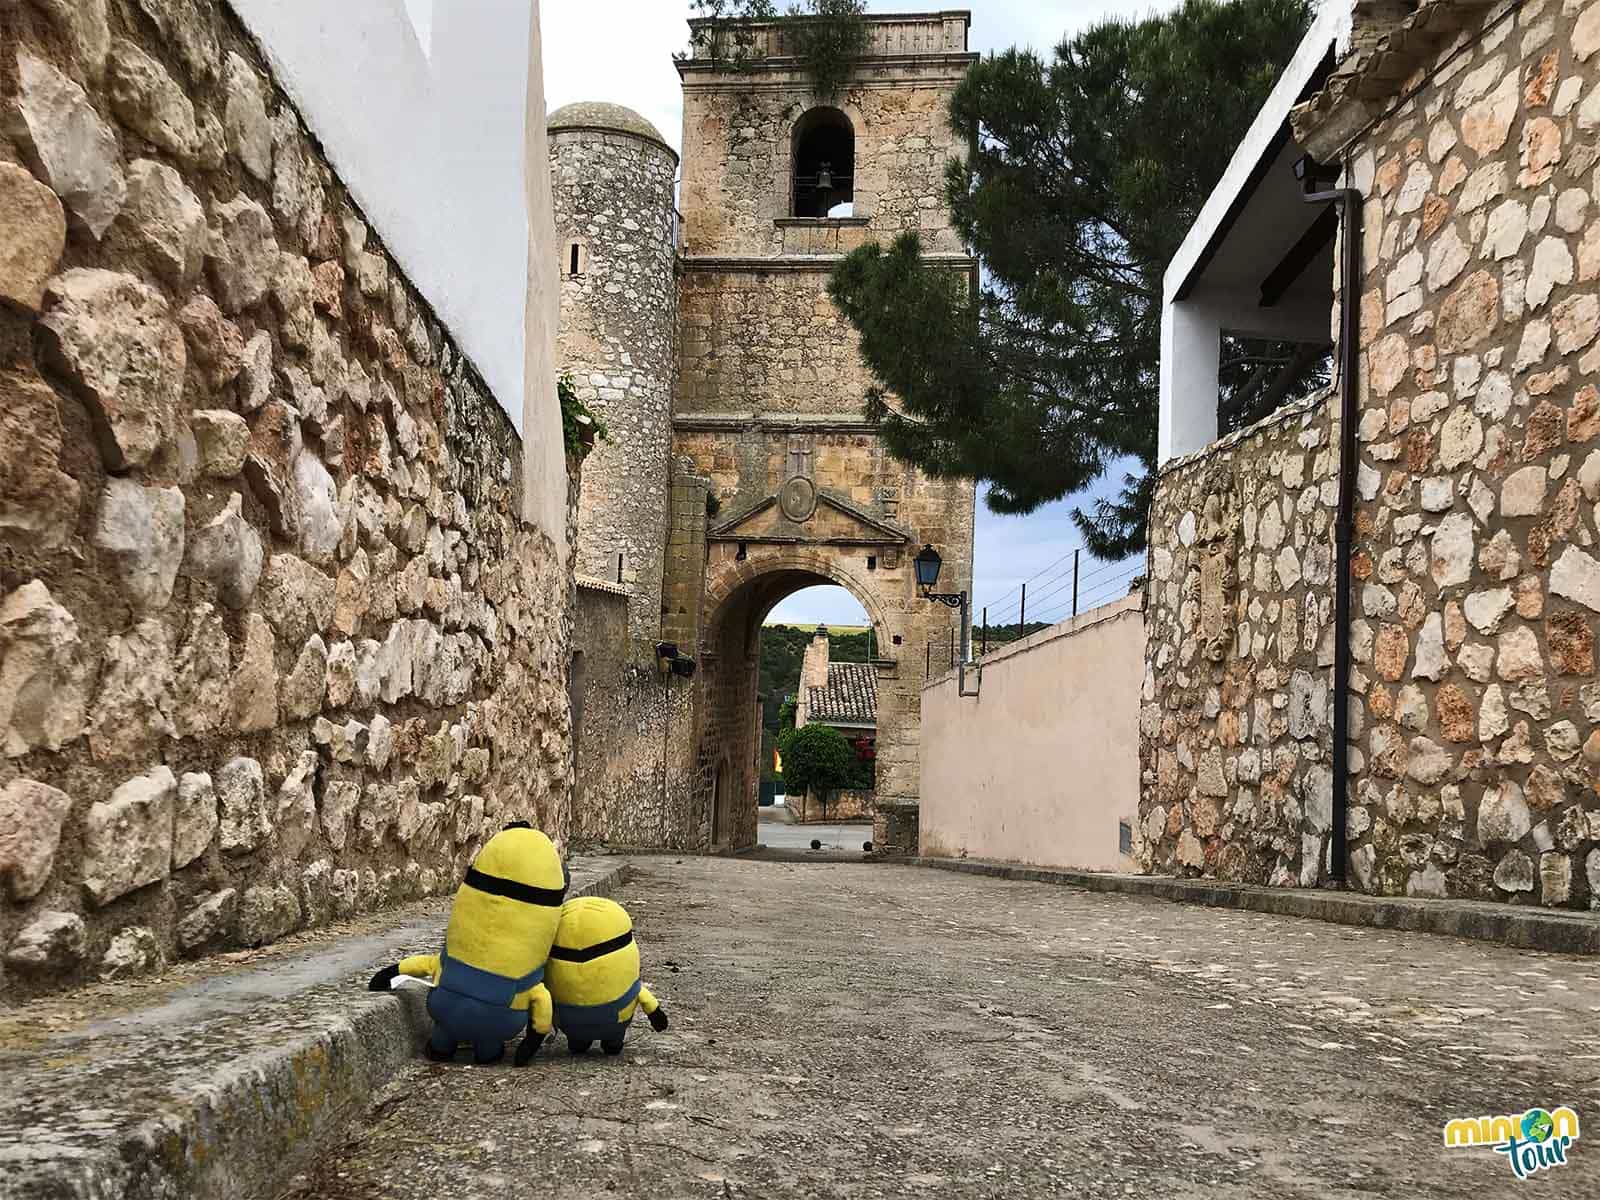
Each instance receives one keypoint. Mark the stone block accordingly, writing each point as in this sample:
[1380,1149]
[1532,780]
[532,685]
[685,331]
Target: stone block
[44,677]
[166,219]
[227,553]
[83,25]
[266,914]
[195,819]
[305,687]
[114,338]
[38,501]
[214,342]
[133,709]
[75,151]
[255,679]
[31,814]
[141,530]
[51,942]
[212,919]
[35,233]
[242,253]
[190,27]
[133,952]
[222,439]
[244,118]
[245,823]
[127,840]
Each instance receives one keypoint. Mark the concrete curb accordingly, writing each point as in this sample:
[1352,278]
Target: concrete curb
[258,1118]
[1558,932]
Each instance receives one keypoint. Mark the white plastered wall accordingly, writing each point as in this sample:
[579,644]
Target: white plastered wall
[424,108]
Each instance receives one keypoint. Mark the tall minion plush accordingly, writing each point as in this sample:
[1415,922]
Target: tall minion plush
[489,979]
[593,975]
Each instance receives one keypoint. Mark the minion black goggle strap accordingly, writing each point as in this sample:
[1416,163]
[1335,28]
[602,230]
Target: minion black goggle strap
[586,953]
[512,890]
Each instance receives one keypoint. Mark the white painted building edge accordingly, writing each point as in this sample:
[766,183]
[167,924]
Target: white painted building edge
[421,108]
[1190,328]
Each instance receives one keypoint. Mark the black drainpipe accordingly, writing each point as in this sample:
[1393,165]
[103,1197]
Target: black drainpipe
[1349,201]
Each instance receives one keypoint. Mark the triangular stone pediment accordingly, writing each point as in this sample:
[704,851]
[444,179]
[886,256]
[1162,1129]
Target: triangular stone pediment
[835,521]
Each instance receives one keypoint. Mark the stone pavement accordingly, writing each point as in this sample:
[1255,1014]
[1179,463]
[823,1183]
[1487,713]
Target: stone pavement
[217,1079]
[834,838]
[872,1030]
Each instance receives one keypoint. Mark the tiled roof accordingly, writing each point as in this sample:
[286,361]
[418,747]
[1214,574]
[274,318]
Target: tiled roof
[851,695]
[591,584]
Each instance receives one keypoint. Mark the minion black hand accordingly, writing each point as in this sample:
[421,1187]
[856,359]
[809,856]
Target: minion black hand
[658,1020]
[384,979]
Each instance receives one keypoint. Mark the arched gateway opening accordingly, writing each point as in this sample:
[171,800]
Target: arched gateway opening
[740,594]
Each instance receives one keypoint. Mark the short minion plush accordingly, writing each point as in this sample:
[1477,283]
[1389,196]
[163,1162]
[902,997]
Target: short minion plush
[593,975]
[489,979]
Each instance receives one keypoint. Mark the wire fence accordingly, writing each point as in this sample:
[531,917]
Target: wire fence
[1071,584]
[1061,590]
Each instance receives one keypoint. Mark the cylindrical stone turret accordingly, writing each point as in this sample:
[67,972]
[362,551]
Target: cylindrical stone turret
[614,177]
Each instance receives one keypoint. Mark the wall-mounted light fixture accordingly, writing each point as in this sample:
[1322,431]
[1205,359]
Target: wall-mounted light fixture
[927,565]
[672,662]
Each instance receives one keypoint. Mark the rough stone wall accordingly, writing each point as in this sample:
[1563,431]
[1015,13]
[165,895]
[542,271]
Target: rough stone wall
[767,340]
[1480,430]
[1476,722]
[634,730]
[275,646]
[1235,724]
[614,198]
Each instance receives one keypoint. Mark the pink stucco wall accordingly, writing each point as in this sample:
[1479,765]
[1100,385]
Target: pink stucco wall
[1042,765]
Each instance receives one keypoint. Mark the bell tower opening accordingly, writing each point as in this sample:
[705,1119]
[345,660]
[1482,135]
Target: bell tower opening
[824,164]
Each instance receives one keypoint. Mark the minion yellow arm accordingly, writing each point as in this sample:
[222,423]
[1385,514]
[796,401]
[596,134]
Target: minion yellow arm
[536,1003]
[647,1000]
[421,966]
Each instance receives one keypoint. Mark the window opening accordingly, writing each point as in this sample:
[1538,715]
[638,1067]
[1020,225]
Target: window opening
[824,164]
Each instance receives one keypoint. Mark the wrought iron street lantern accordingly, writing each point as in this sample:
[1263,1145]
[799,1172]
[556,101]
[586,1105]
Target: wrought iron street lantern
[927,565]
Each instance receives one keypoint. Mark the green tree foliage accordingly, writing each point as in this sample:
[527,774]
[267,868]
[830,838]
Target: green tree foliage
[1085,173]
[818,759]
[827,36]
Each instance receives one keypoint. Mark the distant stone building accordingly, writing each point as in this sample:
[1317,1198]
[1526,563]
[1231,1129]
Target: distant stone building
[284,568]
[775,481]
[1472,764]
[841,695]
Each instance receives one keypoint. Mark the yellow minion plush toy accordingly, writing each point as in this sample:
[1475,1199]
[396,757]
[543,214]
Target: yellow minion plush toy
[489,979]
[593,975]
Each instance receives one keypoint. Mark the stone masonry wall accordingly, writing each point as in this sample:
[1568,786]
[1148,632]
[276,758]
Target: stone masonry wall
[1480,432]
[634,728]
[614,197]
[1476,718]
[275,646]
[1235,725]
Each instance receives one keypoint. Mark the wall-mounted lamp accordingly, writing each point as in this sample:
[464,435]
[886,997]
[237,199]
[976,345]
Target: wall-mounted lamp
[670,660]
[927,565]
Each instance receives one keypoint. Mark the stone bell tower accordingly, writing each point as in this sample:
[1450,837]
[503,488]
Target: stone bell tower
[779,183]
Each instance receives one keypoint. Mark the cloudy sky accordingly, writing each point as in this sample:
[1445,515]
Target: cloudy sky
[621,51]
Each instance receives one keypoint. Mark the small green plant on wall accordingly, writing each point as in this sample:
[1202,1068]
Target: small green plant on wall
[827,36]
[580,427]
